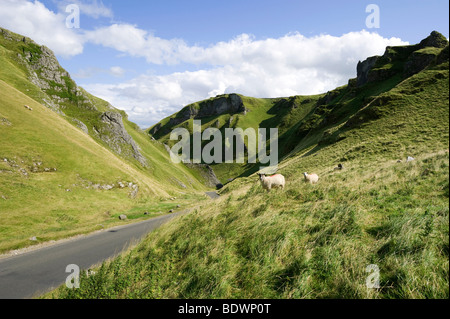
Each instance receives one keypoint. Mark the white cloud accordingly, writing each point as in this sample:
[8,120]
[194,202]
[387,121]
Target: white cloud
[272,67]
[136,42]
[290,65]
[292,49]
[34,20]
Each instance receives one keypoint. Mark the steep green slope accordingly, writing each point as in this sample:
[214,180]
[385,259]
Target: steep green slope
[72,163]
[35,71]
[282,113]
[317,241]
[307,122]
[56,181]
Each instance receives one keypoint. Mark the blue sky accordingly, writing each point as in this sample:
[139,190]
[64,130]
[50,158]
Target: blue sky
[151,58]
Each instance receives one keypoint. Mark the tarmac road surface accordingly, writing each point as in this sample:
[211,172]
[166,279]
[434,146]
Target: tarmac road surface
[38,271]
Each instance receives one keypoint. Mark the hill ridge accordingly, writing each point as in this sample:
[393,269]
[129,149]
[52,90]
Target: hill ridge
[304,121]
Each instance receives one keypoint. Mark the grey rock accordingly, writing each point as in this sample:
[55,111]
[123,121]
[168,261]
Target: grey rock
[155,129]
[81,125]
[206,172]
[5,121]
[114,134]
[414,61]
[363,68]
[134,192]
[123,217]
[5,34]
[215,106]
[417,62]
[177,181]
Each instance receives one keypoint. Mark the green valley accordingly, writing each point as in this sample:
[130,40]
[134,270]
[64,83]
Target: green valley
[387,207]
[71,163]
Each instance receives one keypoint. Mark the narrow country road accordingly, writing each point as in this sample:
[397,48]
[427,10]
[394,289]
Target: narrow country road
[33,273]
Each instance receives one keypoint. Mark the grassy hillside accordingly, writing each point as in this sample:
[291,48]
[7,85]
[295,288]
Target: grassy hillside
[312,122]
[282,113]
[316,241]
[29,68]
[58,180]
[51,173]
[305,242]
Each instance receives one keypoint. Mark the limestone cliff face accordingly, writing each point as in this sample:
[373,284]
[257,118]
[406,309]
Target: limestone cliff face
[408,60]
[231,104]
[219,105]
[113,132]
[207,173]
[363,69]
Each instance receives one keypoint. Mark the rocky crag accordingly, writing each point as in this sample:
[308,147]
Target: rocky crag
[222,104]
[409,60]
[117,137]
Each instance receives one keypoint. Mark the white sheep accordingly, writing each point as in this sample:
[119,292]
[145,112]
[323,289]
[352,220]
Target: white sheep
[312,178]
[269,182]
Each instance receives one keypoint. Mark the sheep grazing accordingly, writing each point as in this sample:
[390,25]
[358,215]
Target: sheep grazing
[28,108]
[274,181]
[312,178]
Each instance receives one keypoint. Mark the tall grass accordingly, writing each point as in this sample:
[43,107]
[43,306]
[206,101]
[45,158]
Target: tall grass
[309,241]
[316,241]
